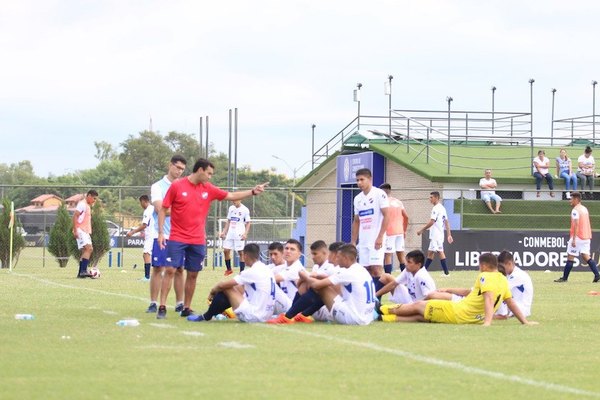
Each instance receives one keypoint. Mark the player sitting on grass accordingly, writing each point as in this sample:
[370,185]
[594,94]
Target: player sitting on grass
[413,284]
[349,294]
[250,294]
[478,307]
[277,264]
[310,304]
[287,278]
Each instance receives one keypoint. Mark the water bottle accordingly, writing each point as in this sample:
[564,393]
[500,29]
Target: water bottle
[220,317]
[24,316]
[128,322]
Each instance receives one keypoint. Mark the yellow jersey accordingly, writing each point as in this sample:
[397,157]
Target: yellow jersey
[471,309]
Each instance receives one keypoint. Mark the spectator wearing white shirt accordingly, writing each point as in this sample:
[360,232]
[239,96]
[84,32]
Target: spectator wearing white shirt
[541,171]
[586,170]
[487,185]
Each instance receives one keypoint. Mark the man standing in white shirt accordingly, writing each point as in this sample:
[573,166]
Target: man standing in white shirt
[147,226]
[369,225]
[235,233]
[487,185]
[541,170]
[251,294]
[436,225]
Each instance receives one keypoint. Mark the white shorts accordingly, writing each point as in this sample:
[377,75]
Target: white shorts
[582,247]
[282,301]
[323,314]
[369,256]
[436,245]
[148,243]
[394,243]
[83,239]
[235,244]
[247,312]
[400,295]
[342,314]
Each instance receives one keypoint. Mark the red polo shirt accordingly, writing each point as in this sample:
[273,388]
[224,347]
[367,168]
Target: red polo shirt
[189,205]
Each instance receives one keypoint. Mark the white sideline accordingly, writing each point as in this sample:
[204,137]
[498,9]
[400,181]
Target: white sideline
[48,282]
[553,387]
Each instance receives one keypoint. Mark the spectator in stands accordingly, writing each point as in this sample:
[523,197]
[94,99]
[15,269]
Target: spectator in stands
[541,166]
[564,169]
[586,170]
[487,185]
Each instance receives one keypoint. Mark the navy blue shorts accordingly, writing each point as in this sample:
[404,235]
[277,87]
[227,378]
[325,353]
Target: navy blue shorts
[190,255]
[159,256]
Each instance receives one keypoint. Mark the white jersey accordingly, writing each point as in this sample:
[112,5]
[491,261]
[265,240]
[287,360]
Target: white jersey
[290,278]
[439,216]
[521,288]
[326,268]
[259,289]
[358,291]
[418,285]
[237,217]
[276,268]
[368,208]
[148,220]
[157,192]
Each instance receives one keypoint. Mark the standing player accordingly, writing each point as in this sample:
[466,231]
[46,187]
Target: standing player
[250,294]
[235,233]
[147,227]
[490,289]
[349,294]
[370,223]
[396,231]
[436,225]
[413,284]
[82,230]
[189,201]
[159,255]
[580,237]
[520,286]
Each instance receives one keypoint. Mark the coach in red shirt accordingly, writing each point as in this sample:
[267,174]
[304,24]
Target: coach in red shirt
[188,200]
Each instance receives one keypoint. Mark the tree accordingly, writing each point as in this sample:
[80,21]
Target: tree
[184,144]
[18,241]
[62,242]
[145,157]
[100,236]
[104,151]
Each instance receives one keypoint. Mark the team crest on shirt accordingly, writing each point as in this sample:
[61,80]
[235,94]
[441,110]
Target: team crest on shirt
[482,280]
[205,195]
[184,194]
[371,201]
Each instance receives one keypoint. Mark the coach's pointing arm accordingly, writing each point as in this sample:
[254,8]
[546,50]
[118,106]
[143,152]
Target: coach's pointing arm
[241,195]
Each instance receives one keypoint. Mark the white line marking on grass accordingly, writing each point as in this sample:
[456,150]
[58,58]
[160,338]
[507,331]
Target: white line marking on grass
[164,347]
[162,326]
[109,312]
[48,282]
[236,345]
[192,333]
[553,387]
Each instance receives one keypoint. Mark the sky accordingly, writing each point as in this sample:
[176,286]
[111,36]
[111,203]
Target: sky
[76,72]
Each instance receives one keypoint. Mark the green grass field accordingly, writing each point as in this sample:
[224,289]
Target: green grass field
[74,349]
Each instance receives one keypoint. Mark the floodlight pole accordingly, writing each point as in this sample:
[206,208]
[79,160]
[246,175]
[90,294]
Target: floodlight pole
[552,122]
[449,100]
[388,92]
[493,95]
[531,81]
[313,147]
[357,100]
[594,83]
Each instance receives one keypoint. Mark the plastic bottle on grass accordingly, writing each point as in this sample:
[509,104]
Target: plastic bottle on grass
[24,316]
[128,322]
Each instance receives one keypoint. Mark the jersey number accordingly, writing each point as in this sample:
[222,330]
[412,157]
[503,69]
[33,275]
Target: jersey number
[370,289]
[272,288]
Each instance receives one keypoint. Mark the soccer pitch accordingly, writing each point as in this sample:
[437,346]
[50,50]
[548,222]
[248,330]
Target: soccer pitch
[74,349]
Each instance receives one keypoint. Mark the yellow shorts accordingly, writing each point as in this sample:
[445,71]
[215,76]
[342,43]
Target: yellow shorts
[441,311]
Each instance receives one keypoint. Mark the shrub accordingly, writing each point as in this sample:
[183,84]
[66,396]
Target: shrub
[61,242]
[100,236]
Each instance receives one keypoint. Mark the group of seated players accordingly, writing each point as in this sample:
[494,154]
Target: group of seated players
[339,289]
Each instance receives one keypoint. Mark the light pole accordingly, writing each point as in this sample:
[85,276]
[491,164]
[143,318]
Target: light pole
[388,92]
[531,114]
[357,100]
[449,100]
[294,172]
[493,95]
[552,122]
[594,83]
[312,159]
